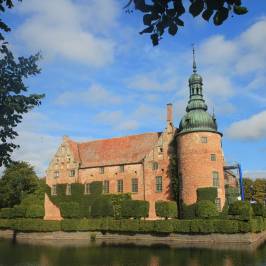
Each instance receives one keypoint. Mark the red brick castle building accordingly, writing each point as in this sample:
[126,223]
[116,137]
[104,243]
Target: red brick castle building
[141,164]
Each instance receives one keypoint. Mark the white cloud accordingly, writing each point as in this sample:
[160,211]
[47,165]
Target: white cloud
[70,30]
[250,128]
[95,95]
[255,174]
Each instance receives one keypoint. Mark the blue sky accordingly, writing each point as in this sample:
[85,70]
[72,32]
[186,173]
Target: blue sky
[102,79]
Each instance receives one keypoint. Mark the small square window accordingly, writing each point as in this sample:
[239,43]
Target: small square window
[68,190]
[121,168]
[213,157]
[120,185]
[160,150]
[134,185]
[155,166]
[72,173]
[159,184]
[204,140]
[53,190]
[101,170]
[106,186]
[87,188]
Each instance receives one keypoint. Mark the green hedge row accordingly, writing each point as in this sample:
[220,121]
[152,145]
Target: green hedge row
[196,226]
[31,211]
[135,209]
[166,209]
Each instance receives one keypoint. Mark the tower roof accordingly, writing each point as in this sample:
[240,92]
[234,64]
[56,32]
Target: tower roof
[197,118]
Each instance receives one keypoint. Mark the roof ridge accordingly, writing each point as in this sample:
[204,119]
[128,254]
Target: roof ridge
[94,140]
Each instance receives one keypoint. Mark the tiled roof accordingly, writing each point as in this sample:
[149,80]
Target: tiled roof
[114,151]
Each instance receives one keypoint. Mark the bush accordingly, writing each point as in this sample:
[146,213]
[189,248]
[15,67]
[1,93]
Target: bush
[4,224]
[102,207]
[206,209]
[129,225]
[201,226]
[166,209]
[231,194]
[70,210]
[207,193]
[257,209]
[165,226]
[34,211]
[181,226]
[135,209]
[18,212]
[6,213]
[241,210]
[189,211]
[146,226]
[226,226]
[35,225]
[96,187]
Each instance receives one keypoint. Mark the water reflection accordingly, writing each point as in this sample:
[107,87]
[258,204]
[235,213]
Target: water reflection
[96,254]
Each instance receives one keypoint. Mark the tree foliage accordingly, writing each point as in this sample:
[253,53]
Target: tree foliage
[18,180]
[162,15]
[255,189]
[14,101]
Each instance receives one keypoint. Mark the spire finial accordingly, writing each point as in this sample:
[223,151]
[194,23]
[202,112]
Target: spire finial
[194,61]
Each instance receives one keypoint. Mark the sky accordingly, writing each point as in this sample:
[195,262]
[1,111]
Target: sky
[103,79]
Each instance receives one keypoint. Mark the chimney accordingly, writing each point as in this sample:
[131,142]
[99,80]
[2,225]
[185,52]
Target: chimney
[169,117]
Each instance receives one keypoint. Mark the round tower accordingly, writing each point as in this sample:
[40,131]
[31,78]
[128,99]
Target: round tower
[199,147]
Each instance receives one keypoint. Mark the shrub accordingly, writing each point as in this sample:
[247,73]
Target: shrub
[35,225]
[146,226]
[231,194]
[135,209]
[70,210]
[34,211]
[201,226]
[241,210]
[181,226]
[206,209]
[207,193]
[189,211]
[6,213]
[257,209]
[166,209]
[129,225]
[226,226]
[18,212]
[4,224]
[102,207]
[165,226]
[96,187]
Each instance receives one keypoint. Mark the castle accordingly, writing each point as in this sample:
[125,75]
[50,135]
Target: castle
[144,164]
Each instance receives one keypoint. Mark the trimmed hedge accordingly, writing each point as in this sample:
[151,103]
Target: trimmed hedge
[102,207]
[231,194]
[96,187]
[206,209]
[196,226]
[189,211]
[207,193]
[258,209]
[70,210]
[241,210]
[166,209]
[6,213]
[135,209]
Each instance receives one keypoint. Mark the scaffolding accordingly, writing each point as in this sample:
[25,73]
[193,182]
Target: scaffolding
[237,166]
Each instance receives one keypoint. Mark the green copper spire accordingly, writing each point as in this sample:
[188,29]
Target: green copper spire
[197,118]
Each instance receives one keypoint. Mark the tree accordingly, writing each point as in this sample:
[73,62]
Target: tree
[18,180]
[13,99]
[160,15]
[255,189]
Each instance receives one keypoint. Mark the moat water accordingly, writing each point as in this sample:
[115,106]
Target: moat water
[98,254]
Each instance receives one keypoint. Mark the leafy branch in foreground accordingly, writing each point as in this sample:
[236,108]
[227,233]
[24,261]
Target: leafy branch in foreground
[161,15]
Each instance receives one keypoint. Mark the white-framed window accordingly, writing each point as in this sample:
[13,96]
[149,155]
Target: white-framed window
[158,184]
[120,185]
[121,168]
[204,139]
[68,189]
[72,173]
[155,166]
[101,170]
[213,157]
[134,185]
[86,188]
[106,186]
[56,174]
[53,190]
[218,203]
[215,179]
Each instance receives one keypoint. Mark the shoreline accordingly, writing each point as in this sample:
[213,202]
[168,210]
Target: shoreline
[221,241]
